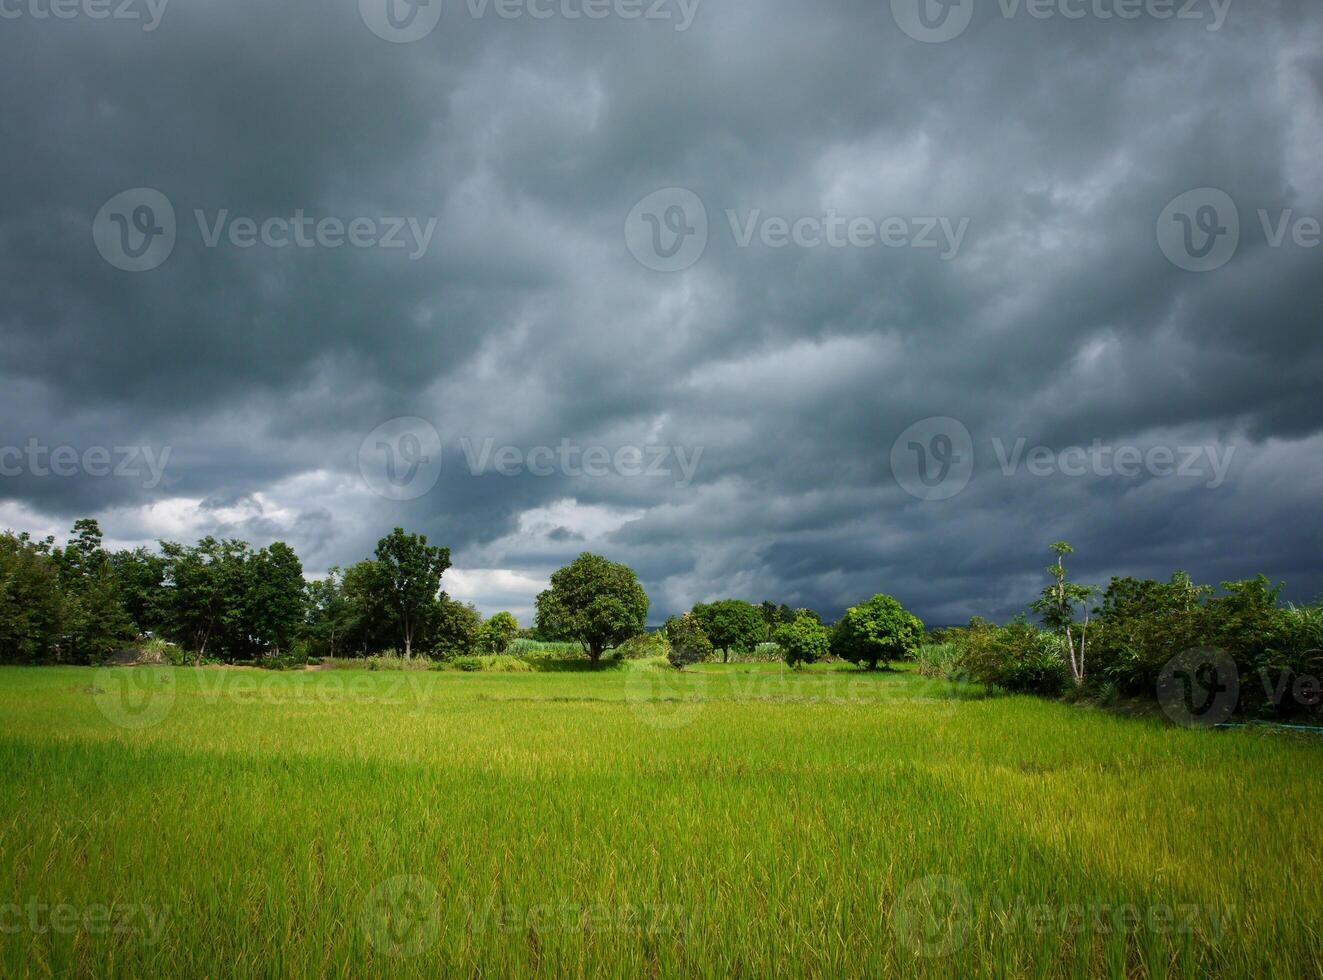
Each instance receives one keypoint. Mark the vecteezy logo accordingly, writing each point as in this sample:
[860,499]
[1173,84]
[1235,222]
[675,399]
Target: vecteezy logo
[402,916]
[933,459]
[135,230]
[1200,230]
[933,21]
[667,231]
[401,459]
[134,697]
[932,916]
[400,21]
[1199,688]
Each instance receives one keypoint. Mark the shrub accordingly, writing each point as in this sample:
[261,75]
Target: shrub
[646,647]
[940,660]
[498,632]
[877,631]
[1019,657]
[804,641]
[688,642]
[497,664]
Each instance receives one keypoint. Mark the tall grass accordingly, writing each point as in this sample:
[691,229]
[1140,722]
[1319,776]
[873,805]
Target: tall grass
[748,821]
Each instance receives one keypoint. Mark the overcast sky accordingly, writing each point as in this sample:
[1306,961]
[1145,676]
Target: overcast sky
[768,299]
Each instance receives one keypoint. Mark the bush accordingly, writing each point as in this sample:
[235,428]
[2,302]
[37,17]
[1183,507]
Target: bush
[1019,658]
[646,647]
[877,631]
[940,660]
[497,664]
[498,633]
[688,642]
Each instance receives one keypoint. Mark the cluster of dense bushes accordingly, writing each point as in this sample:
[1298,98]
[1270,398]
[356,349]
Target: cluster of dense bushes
[1121,646]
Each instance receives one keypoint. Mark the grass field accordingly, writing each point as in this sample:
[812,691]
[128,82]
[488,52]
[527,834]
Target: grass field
[738,821]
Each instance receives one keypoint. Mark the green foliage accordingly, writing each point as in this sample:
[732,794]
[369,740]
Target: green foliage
[497,664]
[499,632]
[1058,605]
[804,641]
[140,576]
[411,571]
[223,599]
[646,646]
[731,624]
[1019,657]
[877,631]
[689,643]
[329,615]
[454,628]
[31,602]
[95,621]
[940,660]
[1143,624]
[595,601]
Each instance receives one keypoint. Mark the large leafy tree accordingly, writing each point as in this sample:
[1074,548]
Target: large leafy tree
[203,598]
[592,600]
[96,623]
[274,598]
[368,626]
[140,575]
[731,624]
[877,631]
[454,628]
[31,603]
[411,572]
[328,614]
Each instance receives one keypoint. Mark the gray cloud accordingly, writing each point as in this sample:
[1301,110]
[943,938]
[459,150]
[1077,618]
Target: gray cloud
[528,322]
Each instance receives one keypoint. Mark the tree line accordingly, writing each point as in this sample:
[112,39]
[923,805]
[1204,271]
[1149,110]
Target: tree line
[224,600]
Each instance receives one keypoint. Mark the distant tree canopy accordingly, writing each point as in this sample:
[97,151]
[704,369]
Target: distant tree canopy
[596,602]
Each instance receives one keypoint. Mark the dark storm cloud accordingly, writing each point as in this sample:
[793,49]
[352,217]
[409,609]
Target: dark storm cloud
[1055,143]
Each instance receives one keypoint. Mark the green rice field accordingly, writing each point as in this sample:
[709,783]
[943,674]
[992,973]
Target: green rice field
[740,821]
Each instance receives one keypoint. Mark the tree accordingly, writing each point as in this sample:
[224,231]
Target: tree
[877,631]
[412,572]
[803,641]
[1057,606]
[499,632]
[31,603]
[453,627]
[731,623]
[140,575]
[368,626]
[689,643]
[204,593]
[597,602]
[328,613]
[273,608]
[95,621]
